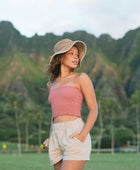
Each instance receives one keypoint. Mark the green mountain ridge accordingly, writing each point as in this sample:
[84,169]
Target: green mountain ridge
[115,59]
[113,65]
[118,57]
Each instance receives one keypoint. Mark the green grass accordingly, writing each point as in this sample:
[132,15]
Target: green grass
[40,161]
[12,147]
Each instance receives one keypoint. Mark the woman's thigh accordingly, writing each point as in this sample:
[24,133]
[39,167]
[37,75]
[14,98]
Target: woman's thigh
[72,165]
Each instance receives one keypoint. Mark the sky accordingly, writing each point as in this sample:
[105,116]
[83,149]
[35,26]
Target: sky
[114,17]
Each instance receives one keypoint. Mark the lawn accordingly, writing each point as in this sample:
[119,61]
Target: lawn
[40,161]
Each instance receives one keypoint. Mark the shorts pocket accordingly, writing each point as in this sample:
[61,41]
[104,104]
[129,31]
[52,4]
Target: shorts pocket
[77,140]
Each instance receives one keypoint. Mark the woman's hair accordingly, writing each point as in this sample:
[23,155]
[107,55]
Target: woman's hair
[54,66]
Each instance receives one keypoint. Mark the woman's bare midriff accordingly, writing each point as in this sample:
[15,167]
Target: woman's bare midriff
[64,118]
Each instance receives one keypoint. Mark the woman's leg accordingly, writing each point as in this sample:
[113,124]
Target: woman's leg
[72,165]
[57,166]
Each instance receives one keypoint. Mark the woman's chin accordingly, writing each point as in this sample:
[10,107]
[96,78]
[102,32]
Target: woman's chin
[74,67]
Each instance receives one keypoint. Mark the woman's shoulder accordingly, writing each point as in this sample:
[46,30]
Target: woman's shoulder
[80,75]
[83,76]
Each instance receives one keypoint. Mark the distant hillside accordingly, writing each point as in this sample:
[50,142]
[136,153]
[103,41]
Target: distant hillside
[113,65]
[105,53]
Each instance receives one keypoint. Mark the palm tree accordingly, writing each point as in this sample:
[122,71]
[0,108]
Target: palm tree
[26,116]
[110,108]
[110,112]
[16,101]
[100,120]
[40,114]
[134,104]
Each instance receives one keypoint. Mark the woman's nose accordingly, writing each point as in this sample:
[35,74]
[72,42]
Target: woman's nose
[75,56]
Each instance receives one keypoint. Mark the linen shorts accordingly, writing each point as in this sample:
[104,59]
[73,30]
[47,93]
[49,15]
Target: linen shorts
[63,148]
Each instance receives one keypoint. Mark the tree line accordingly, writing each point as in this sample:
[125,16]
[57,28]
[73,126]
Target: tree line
[114,127]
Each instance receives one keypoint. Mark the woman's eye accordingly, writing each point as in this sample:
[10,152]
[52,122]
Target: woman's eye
[71,53]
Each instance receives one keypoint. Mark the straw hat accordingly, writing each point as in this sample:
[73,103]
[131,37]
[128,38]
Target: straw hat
[65,45]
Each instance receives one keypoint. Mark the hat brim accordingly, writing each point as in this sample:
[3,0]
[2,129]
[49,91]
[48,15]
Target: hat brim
[80,45]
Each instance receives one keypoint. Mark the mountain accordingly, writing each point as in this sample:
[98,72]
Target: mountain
[113,65]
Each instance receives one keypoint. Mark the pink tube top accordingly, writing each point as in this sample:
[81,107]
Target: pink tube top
[65,100]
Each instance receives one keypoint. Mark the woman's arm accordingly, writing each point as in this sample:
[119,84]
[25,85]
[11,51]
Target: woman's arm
[46,142]
[89,95]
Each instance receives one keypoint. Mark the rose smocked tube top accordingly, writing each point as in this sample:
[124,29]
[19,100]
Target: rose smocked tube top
[66,100]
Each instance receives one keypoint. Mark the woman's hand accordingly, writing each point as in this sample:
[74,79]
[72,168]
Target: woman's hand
[46,143]
[78,136]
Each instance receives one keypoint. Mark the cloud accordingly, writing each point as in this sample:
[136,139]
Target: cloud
[93,16]
[29,3]
[18,3]
[112,17]
[83,2]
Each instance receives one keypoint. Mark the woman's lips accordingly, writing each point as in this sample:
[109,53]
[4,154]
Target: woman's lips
[75,62]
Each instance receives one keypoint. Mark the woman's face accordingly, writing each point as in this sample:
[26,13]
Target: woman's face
[71,58]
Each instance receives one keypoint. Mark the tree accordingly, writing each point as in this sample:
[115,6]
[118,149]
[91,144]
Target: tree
[134,104]
[100,120]
[110,108]
[16,102]
[27,116]
[40,114]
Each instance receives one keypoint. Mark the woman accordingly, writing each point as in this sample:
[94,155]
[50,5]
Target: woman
[69,142]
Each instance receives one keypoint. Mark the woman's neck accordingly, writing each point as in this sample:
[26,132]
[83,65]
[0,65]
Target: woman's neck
[63,75]
[64,72]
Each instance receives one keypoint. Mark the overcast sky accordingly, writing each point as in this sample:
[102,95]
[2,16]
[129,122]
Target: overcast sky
[114,17]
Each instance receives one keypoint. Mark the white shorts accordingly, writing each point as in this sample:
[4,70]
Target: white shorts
[63,148]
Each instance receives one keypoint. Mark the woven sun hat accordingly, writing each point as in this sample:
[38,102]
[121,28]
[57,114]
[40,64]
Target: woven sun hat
[65,45]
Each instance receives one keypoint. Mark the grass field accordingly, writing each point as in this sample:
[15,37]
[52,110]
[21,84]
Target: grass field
[40,161]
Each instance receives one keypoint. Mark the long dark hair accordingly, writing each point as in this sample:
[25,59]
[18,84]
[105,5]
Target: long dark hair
[54,67]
